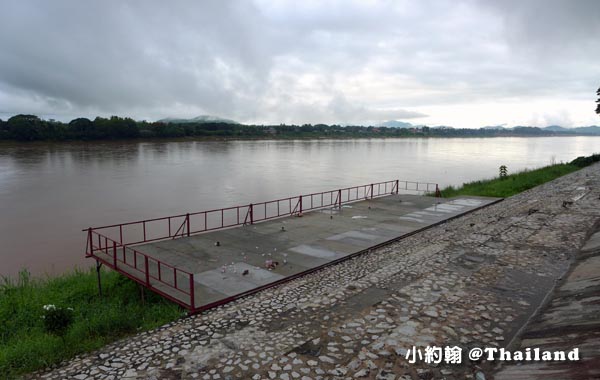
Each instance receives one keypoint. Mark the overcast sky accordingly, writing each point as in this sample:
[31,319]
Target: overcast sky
[460,63]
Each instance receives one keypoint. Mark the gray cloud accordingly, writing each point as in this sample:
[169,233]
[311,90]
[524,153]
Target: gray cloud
[288,61]
[112,57]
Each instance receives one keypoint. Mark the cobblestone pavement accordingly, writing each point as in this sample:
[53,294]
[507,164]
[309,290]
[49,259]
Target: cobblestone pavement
[471,282]
[568,321]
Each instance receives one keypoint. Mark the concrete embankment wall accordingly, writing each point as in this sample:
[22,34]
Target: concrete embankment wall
[569,320]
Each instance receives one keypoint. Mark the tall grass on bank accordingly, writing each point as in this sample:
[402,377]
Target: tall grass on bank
[520,181]
[25,346]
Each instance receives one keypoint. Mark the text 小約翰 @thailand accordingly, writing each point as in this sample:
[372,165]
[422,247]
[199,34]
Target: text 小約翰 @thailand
[454,354]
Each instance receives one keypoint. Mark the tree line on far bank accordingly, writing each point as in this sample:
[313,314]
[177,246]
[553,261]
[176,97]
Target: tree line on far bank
[32,128]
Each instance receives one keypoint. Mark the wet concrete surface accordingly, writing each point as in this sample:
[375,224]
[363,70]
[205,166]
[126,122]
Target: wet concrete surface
[237,263]
[571,319]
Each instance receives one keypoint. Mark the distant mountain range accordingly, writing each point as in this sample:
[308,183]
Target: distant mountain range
[198,119]
[556,128]
[494,127]
[396,124]
[590,130]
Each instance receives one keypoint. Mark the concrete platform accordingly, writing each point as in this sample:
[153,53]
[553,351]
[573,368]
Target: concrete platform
[298,244]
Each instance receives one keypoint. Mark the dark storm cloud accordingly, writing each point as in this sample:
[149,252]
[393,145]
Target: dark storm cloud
[272,61]
[558,39]
[552,27]
[112,56]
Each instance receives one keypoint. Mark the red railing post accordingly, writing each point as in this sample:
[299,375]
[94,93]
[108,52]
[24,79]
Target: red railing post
[300,204]
[192,299]
[397,186]
[251,211]
[187,223]
[340,199]
[371,191]
[147,271]
[115,254]
[90,241]
[438,193]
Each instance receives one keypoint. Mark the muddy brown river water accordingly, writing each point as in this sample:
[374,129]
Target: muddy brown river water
[50,191]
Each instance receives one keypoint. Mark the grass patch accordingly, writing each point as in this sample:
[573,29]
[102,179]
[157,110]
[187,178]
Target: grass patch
[520,181]
[511,184]
[25,346]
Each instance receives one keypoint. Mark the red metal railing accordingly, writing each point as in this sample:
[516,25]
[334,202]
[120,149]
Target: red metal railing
[113,246]
[171,282]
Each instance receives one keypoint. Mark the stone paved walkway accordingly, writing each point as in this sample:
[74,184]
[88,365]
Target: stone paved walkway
[472,282]
[570,320]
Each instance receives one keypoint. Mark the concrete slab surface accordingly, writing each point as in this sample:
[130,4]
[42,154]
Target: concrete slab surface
[296,244]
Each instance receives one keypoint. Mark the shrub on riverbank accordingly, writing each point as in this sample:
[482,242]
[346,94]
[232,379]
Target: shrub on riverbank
[517,182]
[586,161]
[25,343]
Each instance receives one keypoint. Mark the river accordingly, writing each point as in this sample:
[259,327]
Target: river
[50,191]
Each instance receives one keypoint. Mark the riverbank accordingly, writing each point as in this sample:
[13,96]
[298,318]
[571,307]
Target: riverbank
[303,137]
[31,127]
[518,182]
[25,346]
[472,282]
